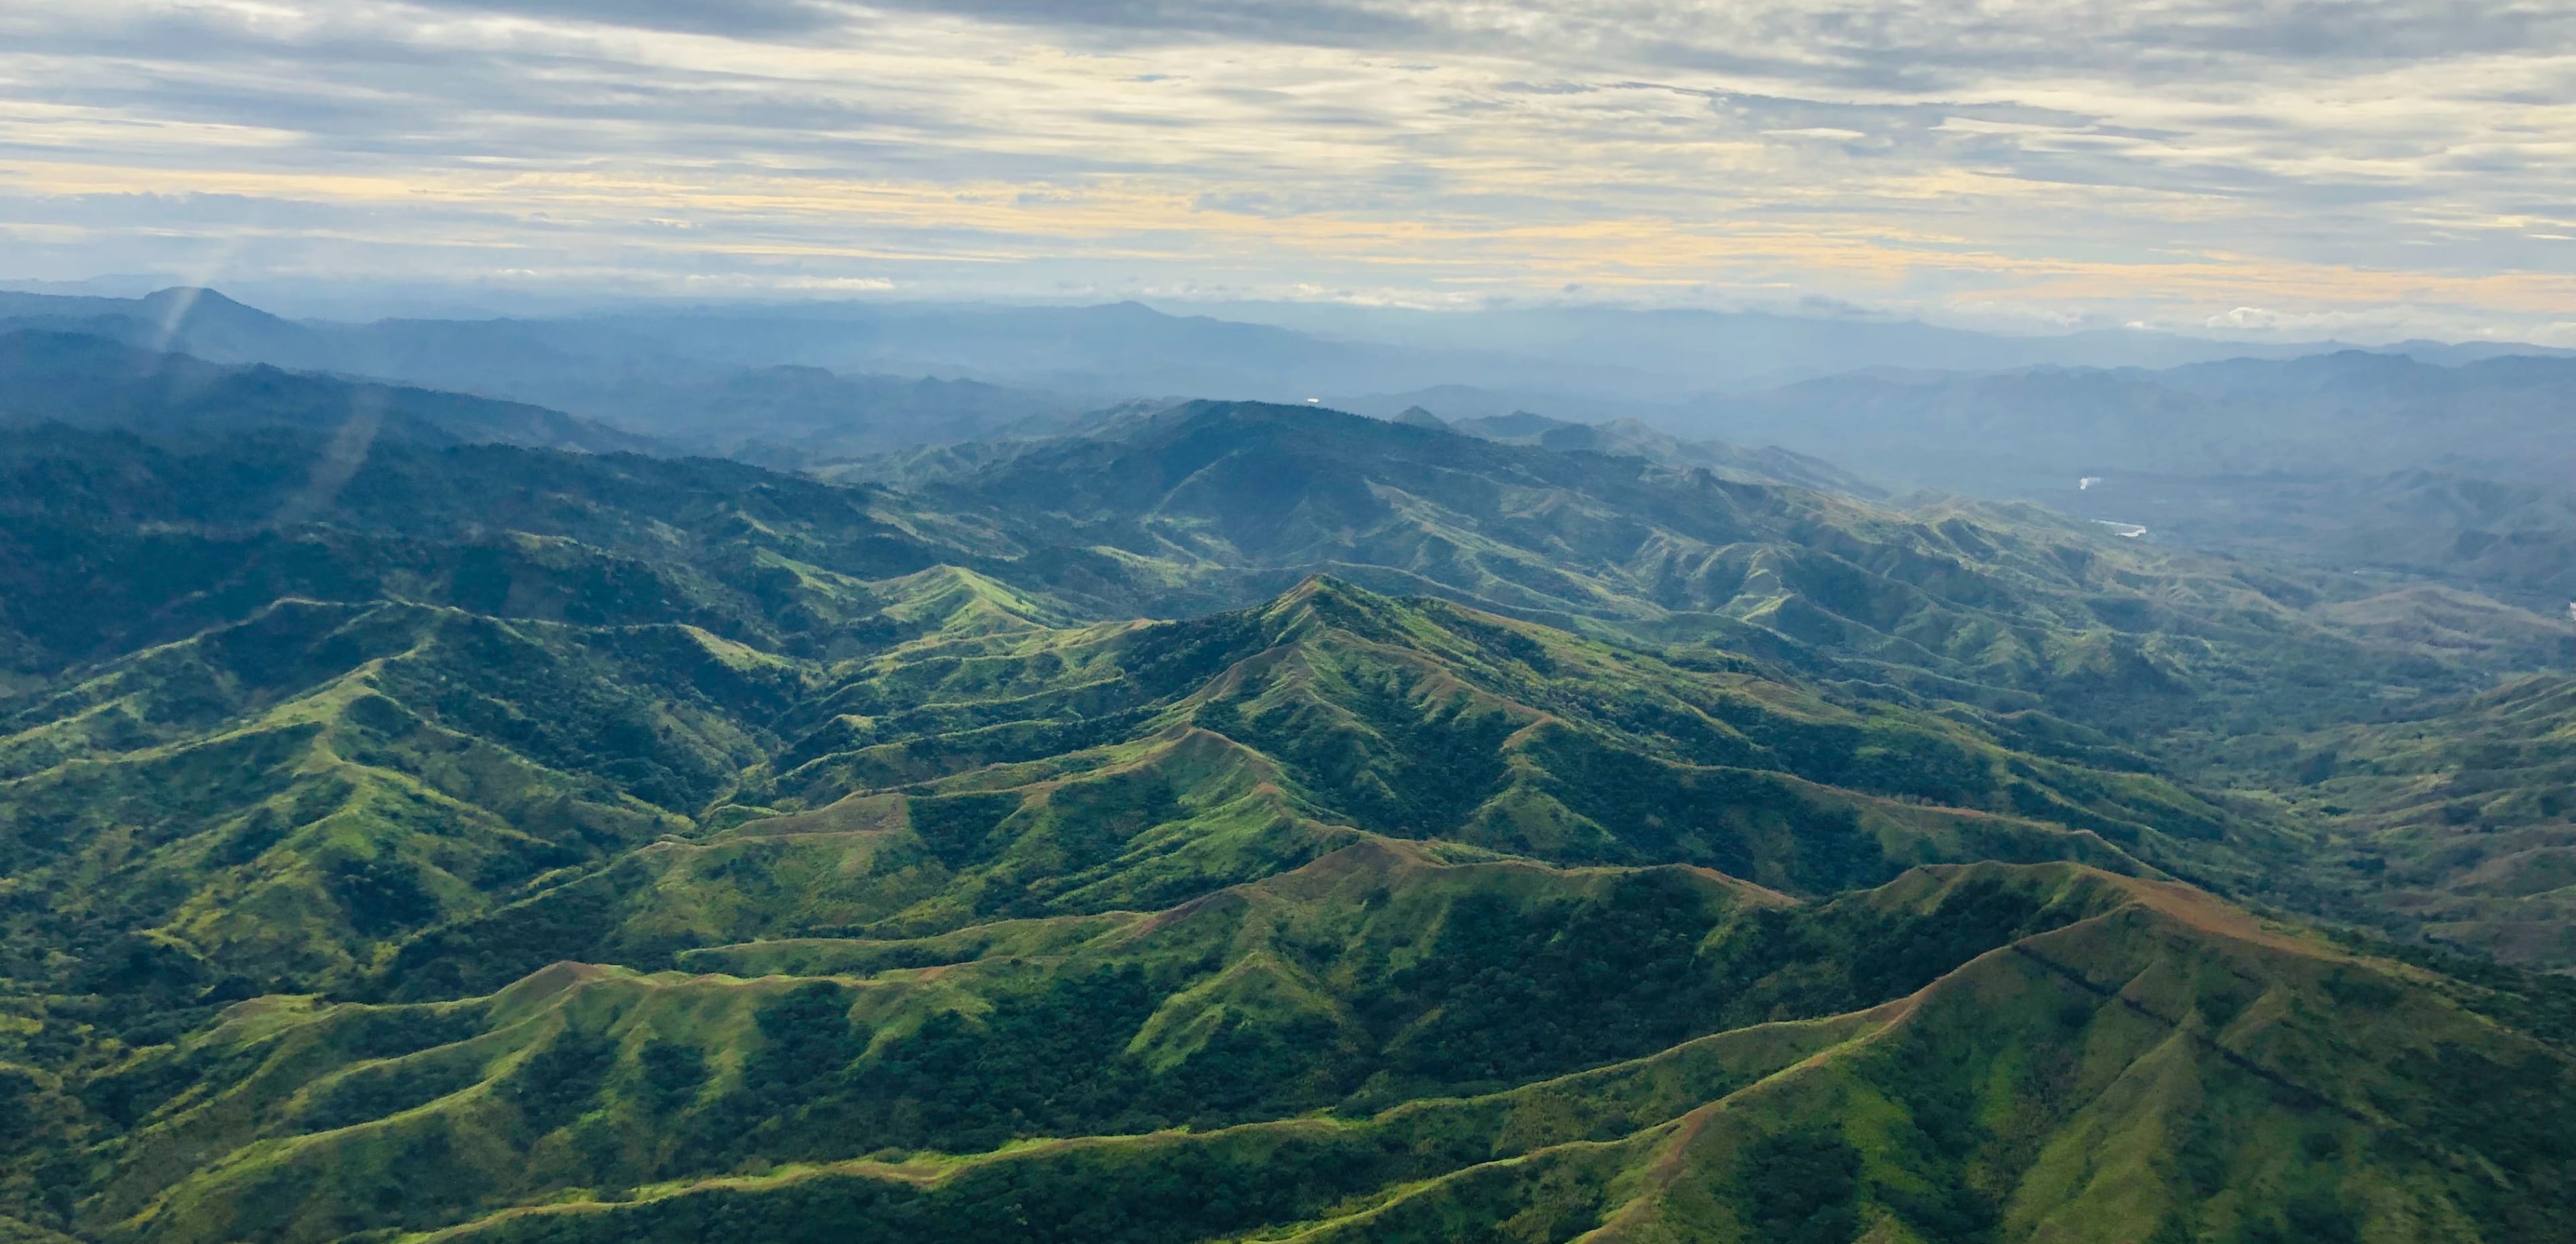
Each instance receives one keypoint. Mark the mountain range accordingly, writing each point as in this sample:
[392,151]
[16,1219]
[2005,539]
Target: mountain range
[2352,411]
[2380,461]
[719,371]
[1225,820]
[2441,462]
[77,380]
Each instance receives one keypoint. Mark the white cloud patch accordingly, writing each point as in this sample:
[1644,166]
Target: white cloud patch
[2073,161]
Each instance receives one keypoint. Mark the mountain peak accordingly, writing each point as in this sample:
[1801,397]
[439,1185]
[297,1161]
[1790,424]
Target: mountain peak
[198,304]
[1324,590]
[1415,416]
[1519,423]
[1323,602]
[191,295]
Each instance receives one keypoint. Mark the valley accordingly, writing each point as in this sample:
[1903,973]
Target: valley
[1236,821]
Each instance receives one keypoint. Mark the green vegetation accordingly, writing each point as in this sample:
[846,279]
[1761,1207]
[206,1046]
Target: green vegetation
[2032,1045]
[518,845]
[2455,818]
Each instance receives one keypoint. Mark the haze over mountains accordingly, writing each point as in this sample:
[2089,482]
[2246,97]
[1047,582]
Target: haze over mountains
[1126,350]
[2448,461]
[1907,372]
[792,777]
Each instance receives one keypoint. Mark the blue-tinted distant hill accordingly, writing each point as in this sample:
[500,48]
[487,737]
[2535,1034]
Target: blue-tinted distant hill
[683,371]
[2356,459]
[2003,431]
[95,383]
[736,385]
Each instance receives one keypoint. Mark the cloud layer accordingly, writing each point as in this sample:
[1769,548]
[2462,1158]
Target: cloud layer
[2406,166]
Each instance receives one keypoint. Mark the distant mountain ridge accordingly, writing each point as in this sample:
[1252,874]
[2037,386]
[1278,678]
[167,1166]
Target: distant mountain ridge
[2348,411]
[1099,354]
[683,388]
[2354,460]
[94,382]
[1633,438]
[1703,350]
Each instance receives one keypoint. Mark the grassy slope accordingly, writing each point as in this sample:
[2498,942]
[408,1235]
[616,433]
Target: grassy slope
[744,724]
[2010,616]
[413,802]
[1041,773]
[288,796]
[109,544]
[1998,1052]
[1194,507]
[2452,817]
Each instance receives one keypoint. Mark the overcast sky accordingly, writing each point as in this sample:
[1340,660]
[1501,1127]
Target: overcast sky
[2369,170]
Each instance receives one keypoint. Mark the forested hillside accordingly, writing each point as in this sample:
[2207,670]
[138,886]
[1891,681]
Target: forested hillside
[1240,822]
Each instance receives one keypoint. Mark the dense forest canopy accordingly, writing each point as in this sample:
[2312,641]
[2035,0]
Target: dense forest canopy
[1214,820]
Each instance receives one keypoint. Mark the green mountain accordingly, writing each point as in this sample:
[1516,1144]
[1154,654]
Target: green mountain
[114,542]
[1081,841]
[2457,818]
[1389,1044]
[2009,606]
[284,803]
[2448,524]
[1633,439]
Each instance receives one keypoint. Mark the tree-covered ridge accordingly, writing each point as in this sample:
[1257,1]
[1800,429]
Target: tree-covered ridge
[2456,813]
[1385,1044]
[868,928]
[110,543]
[114,542]
[2022,605]
[509,842]
[284,803]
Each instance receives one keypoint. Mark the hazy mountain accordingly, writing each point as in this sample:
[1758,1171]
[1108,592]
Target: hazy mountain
[1630,438]
[92,382]
[1623,362]
[2351,459]
[1095,353]
[2454,353]
[1696,350]
[2348,411]
[794,416]
[2447,523]
[678,382]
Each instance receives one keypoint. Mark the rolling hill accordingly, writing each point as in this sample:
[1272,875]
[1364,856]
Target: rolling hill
[1206,504]
[2457,814]
[1390,1044]
[1230,822]
[287,801]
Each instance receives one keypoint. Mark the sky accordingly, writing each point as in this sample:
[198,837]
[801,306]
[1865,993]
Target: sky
[2227,167]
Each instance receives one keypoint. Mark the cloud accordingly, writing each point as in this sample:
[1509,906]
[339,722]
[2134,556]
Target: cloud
[2082,160]
[1329,23]
[738,18]
[1919,43]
